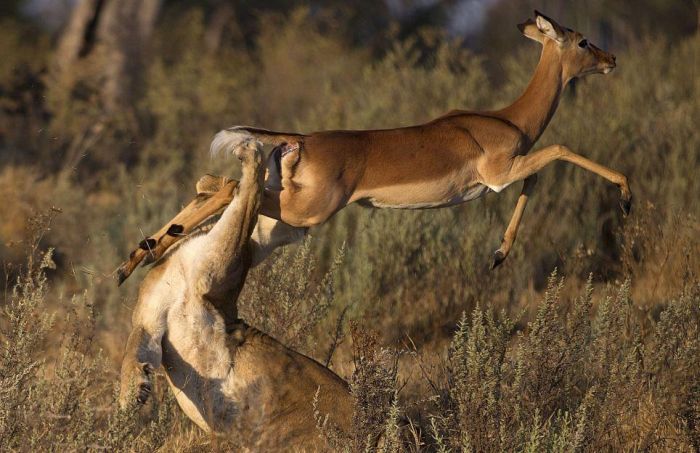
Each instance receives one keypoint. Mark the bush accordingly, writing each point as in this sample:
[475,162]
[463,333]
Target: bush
[573,381]
[607,360]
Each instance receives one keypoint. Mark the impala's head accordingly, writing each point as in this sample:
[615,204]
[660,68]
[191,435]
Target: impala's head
[578,56]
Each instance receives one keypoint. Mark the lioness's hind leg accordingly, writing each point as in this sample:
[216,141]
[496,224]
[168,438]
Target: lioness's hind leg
[214,194]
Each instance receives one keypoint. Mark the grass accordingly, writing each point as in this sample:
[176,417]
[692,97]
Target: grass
[442,354]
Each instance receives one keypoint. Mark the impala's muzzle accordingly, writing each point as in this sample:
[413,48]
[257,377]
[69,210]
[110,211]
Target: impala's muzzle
[606,60]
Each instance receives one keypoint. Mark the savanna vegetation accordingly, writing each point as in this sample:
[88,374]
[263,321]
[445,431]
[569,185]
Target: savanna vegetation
[586,339]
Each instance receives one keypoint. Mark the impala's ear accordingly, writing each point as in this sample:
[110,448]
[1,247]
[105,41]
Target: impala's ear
[529,29]
[548,27]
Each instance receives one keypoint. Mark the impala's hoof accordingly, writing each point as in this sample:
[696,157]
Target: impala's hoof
[121,275]
[498,258]
[626,205]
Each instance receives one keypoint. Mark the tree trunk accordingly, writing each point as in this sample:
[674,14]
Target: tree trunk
[104,45]
[75,36]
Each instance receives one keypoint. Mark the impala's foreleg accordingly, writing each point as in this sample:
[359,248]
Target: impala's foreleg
[512,230]
[271,232]
[524,166]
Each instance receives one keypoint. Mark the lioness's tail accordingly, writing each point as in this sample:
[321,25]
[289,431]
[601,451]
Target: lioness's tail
[228,139]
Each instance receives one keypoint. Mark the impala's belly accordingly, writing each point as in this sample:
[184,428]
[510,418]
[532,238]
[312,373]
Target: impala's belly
[471,193]
[414,197]
[422,167]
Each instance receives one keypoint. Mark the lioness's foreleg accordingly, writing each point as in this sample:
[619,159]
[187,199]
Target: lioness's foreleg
[226,251]
[142,357]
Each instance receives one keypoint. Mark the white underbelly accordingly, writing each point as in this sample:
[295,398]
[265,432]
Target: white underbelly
[471,194]
[468,195]
[497,188]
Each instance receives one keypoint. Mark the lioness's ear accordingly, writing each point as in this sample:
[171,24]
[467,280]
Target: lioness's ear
[548,27]
[529,29]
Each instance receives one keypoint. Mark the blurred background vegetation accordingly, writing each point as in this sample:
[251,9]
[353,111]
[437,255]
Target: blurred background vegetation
[107,108]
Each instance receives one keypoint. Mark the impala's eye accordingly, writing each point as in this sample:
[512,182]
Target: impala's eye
[583,43]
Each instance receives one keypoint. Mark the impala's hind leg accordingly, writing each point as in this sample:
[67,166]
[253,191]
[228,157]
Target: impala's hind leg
[299,193]
[512,230]
[214,193]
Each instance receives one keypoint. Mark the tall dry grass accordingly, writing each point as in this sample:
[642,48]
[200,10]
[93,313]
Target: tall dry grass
[445,355]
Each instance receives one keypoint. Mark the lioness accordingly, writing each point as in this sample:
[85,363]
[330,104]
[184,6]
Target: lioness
[226,375]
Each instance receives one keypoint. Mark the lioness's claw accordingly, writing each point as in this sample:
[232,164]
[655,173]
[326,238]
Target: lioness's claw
[143,393]
[210,184]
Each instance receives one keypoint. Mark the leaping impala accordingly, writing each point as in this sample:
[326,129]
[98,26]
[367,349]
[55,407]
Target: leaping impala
[452,159]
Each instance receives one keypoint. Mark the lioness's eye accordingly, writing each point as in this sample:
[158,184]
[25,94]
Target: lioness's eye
[583,43]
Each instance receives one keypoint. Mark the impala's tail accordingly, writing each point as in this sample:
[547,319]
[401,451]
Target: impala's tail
[229,139]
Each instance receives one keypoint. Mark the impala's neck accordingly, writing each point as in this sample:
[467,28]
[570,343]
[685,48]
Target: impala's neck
[533,110]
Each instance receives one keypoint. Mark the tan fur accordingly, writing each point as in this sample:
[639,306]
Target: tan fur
[214,193]
[451,159]
[227,377]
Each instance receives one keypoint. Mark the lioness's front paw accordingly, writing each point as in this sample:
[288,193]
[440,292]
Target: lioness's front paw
[144,384]
[247,150]
[143,392]
[136,385]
